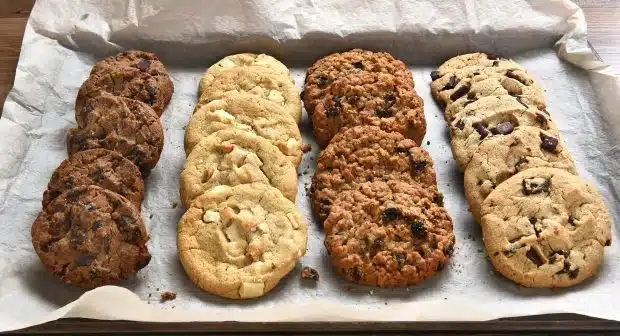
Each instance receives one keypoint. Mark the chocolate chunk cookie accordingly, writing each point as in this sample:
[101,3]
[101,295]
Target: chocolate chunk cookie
[326,70]
[260,81]
[369,98]
[388,234]
[100,167]
[238,242]
[133,74]
[90,237]
[120,124]
[499,158]
[545,227]
[479,58]
[366,153]
[493,116]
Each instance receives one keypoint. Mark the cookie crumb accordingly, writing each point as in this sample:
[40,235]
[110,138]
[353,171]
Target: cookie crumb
[309,273]
[167,296]
[306,148]
[175,205]
[428,143]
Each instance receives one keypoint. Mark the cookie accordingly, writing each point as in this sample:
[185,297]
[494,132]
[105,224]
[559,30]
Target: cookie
[388,234]
[250,113]
[499,158]
[260,81]
[471,83]
[232,157]
[243,60]
[492,116]
[124,125]
[465,60]
[326,70]
[238,242]
[89,237]
[366,153]
[133,74]
[369,98]
[100,167]
[545,227]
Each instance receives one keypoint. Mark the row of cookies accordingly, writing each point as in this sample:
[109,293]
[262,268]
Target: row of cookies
[90,232]
[542,225]
[374,188]
[241,232]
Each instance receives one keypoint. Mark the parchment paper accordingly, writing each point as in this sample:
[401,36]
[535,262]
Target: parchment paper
[64,38]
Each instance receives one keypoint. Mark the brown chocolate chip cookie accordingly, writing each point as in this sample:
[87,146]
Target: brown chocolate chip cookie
[123,125]
[100,167]
[90,237]
[366,153]
[133,74]
[545,227]
[329,68]
[369,98]
[388,234]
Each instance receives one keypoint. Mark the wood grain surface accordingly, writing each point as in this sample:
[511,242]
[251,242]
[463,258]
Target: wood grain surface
[603,18]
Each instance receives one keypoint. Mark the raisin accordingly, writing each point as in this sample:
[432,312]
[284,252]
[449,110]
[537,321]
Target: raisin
[332,112]
[152,95]
[77,239]
[72,196]
[548,143]
[378,243]
[460,92]
[390,214]
[322,81]
[144,64]
[97,225]
[451,84]
[383,113]
[358,65]
[479,127]
[45,247]
[88,108]
[123,220]
[532,254]
[402,150]
[471,95]
[389,100]
[438,199]
[417,228]
[495,63]
[95,174]
[85,259]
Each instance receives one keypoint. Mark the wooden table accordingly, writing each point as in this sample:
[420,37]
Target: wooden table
[603,18]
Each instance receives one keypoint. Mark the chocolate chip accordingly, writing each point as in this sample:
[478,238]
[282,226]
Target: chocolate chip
[106,244]
[440,266]
[353,100]
[85,259]
[573,273]
[326,201]
[77,239]
[152,95]
[571,220]
[58,207]
[451,84]
[390,214]
[45,247]
[358,65]
[471,95]
[533,220]
[322,81]
[460,92]
[511,74]
[476,73]
[522,160]
[541,119]
[72,196]
[417,228]
[548,143]
[332,112]
[418,166]
[89,206]
[383,113]
[492,56]
[123,220]
[389,100]
[448,249]
[479,127]
[534,186]
[438,199]
[532,254]
[400,260]
[503,128]
[435,74]
[97,225]
[552,259]
[142,263]
[402,150]
[96,174]
[608,242]
[495,63]
[468,102]
[144,64]
[88,108]
[460,124]
[520,100]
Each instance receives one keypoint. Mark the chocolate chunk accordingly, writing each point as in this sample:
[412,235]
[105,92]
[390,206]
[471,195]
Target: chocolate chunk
[97,225]
[553,259]
[460,92]
[438,199]
[322,81]
[520,100]
[85,259]
[383,112]
[144,64]
[522,160]
[573,273]
[326,201]
[608,242]
[152,95]
[435,74]
[511,74]
[503,128]
[541,119]
[389,100]
[417,228]
[448,249]
[88,108]
[460,124]
[309,273]
[72,196]
[402,150]
[451,84]
[571,220]
[534,186]
[123,220]
[479,127]
[400,259]
[532,254]
[469,102]
[332,112]
[142,263]
[471,95]
[77,239]
[358,65]
[548,143]
[495,63]
[492,56]
[390,214]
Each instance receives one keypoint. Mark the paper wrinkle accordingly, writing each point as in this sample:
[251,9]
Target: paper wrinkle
[64,38]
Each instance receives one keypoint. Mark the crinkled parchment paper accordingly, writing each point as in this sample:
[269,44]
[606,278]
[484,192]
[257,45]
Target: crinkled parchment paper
[64,38]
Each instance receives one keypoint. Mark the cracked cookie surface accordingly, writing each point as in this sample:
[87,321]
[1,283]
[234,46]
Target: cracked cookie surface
[366,153]
[545,227]
[100,167]
[260,81]
[499,158]
[493,116]
[124,125]
[232,157]
[388,234]
[250,113]
[326,70]
[90,237]
[238,242]
[369,98]
[132,74]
